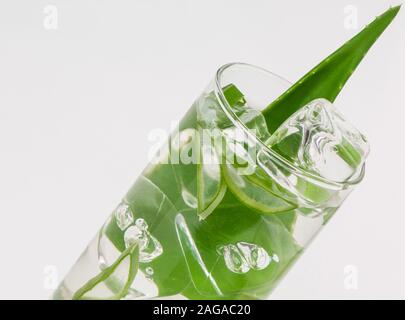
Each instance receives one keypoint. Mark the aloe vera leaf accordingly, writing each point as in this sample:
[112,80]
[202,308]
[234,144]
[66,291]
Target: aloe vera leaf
[327,79]
[133,253]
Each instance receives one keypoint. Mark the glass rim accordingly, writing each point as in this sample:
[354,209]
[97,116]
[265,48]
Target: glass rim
[291,167]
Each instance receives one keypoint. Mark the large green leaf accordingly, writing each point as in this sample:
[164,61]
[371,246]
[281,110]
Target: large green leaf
[327,79]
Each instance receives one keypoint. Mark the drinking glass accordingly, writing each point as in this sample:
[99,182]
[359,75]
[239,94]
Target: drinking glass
[225,207]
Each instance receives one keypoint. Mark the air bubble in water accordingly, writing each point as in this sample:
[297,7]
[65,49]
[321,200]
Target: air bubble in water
[149,246]
[140,223]
[135,235]
[123,216]
[256,256]
[244,256]
[234,260]
[149,271]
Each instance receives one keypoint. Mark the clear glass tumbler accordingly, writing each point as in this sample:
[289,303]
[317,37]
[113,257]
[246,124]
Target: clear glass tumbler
[225,207]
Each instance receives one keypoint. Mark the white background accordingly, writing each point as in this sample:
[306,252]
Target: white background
[77,104]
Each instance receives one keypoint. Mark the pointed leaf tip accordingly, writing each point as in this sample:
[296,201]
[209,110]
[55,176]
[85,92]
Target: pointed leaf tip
[328,78]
